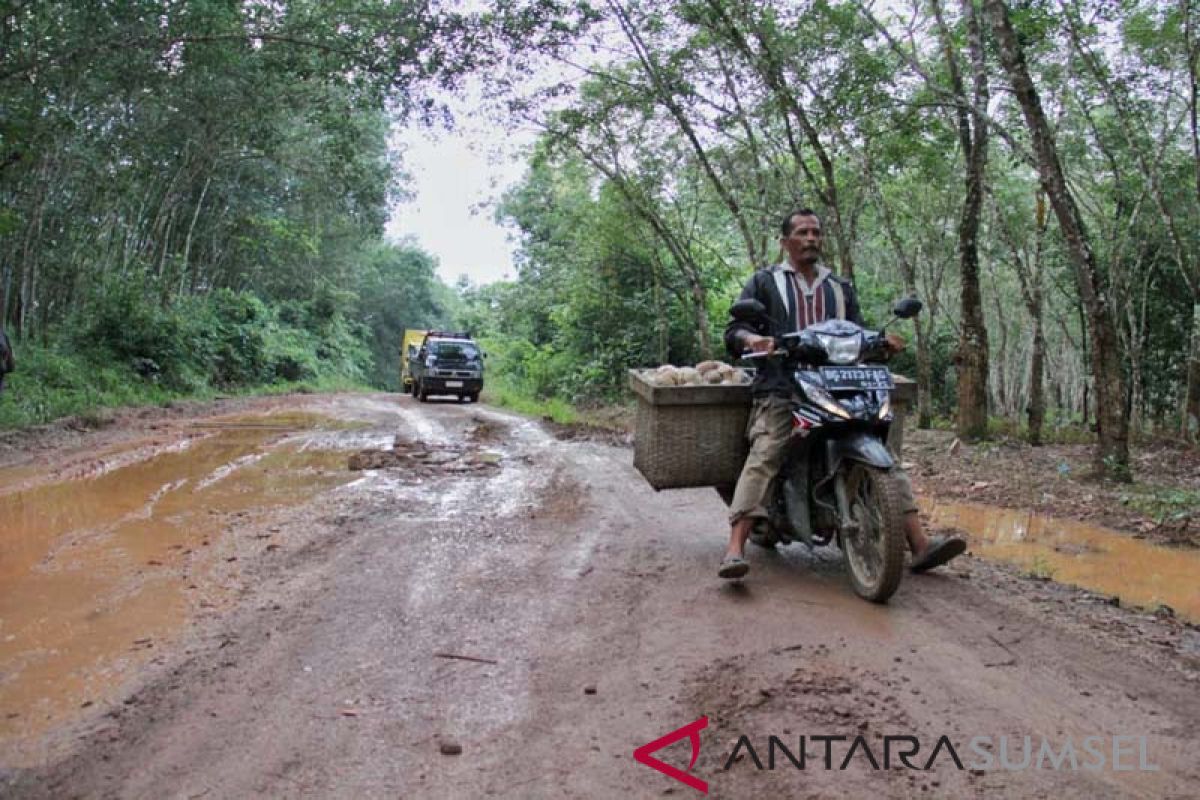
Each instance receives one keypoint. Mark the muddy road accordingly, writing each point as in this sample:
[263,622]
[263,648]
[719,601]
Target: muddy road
[211,603]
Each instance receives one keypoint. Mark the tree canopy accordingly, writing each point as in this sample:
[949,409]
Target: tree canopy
[1031,170]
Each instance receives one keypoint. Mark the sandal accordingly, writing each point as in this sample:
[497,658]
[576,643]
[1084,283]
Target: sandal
[733,567]
[940,550]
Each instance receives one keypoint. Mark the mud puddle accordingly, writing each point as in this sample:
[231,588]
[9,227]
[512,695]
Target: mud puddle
[1079,554]
[95,572]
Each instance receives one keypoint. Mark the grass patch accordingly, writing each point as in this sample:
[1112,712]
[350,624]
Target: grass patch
[1040,569]
[1000,429]
[500,392]
[329,384]
[1163,504]
[49,385]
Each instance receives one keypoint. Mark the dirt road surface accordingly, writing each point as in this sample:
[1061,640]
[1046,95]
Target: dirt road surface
[494,611]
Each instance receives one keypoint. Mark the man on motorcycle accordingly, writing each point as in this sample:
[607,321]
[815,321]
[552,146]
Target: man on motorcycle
[797,293]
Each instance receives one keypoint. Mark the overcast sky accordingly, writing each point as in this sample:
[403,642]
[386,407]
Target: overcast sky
[456,185]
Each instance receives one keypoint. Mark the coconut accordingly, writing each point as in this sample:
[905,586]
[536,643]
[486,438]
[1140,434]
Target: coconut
[662,376]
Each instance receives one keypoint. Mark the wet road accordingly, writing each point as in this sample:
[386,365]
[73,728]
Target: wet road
[525,599]
[95,569]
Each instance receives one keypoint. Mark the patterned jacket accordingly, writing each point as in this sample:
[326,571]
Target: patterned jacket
[829,297]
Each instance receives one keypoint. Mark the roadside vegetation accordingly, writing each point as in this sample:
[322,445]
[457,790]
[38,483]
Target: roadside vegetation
[123,351]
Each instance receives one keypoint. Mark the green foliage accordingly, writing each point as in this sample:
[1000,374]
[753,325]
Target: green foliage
[228,342]
[124,348]
[1164,504]
[498,390]
[397,289]
[1040,568]
[49,384]
[198,146]
[1054,431]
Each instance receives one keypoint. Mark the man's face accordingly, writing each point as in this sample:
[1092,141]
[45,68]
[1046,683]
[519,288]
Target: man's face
[803,244]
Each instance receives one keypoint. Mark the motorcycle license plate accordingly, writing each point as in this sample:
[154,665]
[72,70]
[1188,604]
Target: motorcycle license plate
[453,384]
[869,378]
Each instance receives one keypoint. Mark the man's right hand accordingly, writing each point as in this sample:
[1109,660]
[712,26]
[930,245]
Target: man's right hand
[758,344]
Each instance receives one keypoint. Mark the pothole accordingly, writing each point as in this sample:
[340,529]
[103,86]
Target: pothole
[419,460]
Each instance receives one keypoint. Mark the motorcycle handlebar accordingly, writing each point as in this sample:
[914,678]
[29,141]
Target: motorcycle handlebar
[875,340]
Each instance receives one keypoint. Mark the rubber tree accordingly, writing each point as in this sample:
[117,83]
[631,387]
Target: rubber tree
[971,359]
[1112,453]
[754,34]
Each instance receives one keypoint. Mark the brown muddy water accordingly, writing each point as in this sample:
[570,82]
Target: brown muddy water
[96,571]
[1079,554]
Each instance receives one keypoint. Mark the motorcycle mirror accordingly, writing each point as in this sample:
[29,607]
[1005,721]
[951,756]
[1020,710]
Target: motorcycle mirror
[907,308]
[748,310]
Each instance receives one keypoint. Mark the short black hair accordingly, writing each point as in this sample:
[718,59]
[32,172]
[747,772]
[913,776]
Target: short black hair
[785,227]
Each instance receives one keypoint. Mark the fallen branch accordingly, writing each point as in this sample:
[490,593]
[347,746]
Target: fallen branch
[465,658]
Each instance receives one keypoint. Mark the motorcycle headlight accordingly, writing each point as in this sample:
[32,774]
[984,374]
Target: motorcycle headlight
[823,399]
[841,349]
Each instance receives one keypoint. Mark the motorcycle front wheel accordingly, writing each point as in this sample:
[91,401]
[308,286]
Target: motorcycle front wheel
[875,550]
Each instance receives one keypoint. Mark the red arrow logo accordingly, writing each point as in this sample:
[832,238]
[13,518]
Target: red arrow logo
[692,732]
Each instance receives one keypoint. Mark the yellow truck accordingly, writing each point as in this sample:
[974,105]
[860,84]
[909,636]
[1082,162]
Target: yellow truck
[408,353]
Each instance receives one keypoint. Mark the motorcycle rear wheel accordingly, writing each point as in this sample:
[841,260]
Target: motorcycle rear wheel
[875,553]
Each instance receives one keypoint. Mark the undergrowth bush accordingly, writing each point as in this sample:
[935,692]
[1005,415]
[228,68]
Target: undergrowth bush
[501,392]
[126,348]
[49,384]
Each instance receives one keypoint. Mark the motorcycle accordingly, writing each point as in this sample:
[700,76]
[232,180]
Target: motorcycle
[837,482]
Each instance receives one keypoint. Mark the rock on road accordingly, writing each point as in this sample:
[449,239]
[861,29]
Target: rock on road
[518,631]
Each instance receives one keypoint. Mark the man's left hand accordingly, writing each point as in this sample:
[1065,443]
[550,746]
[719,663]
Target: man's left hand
[895,343]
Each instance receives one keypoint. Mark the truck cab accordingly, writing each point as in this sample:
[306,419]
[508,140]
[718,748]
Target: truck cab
[447,363]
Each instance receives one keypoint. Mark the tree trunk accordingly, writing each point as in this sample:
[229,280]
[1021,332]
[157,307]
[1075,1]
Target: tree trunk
[924,382]
[661,318]
[1136,320]
[703,335]
[1191,413]
[909,270]
[5,293]
[1036,305]
[1037,395]
[972,357]
[666,96]
[770,67]
[31,245]
[1112,454]
[1002,398]
[187,242]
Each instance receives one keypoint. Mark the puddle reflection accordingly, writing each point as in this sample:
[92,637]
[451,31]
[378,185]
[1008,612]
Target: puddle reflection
[95,572]
[1083,555]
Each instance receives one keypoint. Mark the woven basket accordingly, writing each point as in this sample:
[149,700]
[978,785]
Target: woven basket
[689,435]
